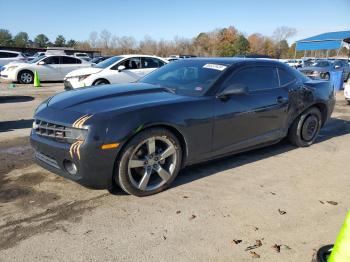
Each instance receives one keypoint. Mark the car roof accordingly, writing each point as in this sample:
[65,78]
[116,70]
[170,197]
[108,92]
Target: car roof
[8,51]
[137,55]
[234,60]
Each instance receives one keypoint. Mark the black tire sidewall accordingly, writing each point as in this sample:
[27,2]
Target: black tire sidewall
[25,71]
[122,177]
[100,82]
[295,131]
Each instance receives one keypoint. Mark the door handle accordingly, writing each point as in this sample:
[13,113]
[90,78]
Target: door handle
[281,100]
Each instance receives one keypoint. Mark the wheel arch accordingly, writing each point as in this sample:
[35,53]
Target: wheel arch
[23,70]
[100,78]
[171,128]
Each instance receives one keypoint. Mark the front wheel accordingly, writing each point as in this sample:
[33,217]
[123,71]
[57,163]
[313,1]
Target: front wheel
[25,77]
[149,163]
[305,128]
[100,82]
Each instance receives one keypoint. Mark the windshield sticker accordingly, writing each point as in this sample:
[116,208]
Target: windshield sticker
[215,66]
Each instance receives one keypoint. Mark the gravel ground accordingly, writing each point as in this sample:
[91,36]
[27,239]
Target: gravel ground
[279,203]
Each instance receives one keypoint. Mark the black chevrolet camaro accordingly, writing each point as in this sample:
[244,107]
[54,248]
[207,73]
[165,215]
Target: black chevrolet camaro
[139,135]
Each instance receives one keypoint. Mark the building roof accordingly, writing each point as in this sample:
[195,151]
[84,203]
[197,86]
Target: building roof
[326,41]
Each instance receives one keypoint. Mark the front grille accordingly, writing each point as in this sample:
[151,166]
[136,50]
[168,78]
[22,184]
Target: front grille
[52,131]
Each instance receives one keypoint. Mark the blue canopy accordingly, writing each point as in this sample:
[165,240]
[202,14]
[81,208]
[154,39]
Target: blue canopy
[326,41]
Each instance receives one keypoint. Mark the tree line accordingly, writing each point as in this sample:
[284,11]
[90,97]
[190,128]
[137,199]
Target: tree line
[219,42]
[40,41]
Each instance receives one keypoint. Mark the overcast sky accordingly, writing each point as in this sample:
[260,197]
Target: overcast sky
[163,19]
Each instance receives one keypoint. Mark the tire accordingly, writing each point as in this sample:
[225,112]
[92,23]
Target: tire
[100,82]
[140,172]
[25,77]
[305,128]
[323,253]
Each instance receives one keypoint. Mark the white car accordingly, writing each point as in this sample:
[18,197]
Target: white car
[49,68]
[347,91]
[296,63]
[83,56]
[10,56]
[114,70]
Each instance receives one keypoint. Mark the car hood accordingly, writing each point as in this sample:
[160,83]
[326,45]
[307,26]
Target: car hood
[15,63]
[84,71]
[314,68]
[106,98]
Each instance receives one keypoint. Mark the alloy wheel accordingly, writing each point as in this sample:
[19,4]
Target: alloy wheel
[26,78]
[152,163]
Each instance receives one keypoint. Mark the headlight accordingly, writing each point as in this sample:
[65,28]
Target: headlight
[81,78]
[10,68]
[73,134]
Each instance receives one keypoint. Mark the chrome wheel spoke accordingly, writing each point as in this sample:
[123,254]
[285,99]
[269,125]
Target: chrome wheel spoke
[165,175]
[151,145]
[136,163]
[144,180]
[167,152]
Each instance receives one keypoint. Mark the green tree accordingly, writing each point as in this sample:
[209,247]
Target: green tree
[21,39]
[41,40]
[60,41]
[282,49]
[5,37]
[71,43]
[241,45]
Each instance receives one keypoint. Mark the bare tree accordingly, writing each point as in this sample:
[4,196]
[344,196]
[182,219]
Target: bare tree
[93,39]
[105,37]
[283,33]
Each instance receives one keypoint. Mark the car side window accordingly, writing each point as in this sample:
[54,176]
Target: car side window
[255,78]
[52,60]
[150,62]
[285,78]
[70,60]
[12,54]
[3,55]
[130,64]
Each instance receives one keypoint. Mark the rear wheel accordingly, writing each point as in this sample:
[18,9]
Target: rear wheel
[100,82]
[149,163]
[26,77]
[305,128]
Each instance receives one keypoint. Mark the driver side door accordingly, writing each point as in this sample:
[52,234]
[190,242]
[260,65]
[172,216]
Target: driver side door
[258,116]
[51,70]
[131,73]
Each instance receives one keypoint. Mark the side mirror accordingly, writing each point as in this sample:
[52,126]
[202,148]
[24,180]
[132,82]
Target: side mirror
[41,63]
[121,68]
[233,90]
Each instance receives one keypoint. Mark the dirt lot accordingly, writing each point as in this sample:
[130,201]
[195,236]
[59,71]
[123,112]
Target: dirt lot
[295,198]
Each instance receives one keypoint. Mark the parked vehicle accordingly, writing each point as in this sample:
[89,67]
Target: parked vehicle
[296,63]
[36,55]
[115,70]
[49,68]
[347,91]
[322,69]
[10,56]
[83,56]
[139,135]
[99,59]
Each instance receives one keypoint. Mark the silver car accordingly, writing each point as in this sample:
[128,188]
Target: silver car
[323,68]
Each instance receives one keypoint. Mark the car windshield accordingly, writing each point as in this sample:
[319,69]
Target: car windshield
[192,77]
[108,62]
[321,64]
[37,59]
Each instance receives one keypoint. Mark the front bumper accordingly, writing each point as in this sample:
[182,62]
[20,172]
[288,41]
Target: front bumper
[73,82]
[347,93]
[95,166]
[8,76]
